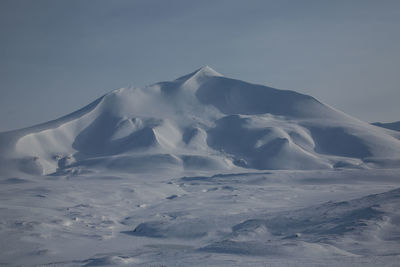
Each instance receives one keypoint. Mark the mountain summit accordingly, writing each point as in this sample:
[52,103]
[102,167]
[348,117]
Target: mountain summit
[203,71]
[201,121]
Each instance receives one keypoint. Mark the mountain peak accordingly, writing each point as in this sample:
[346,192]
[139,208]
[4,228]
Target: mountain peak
[204,71]
[207,70]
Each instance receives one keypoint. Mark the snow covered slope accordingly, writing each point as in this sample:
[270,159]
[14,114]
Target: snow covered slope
[199,122]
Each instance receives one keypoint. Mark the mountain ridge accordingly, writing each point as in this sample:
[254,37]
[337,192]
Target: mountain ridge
[395,126]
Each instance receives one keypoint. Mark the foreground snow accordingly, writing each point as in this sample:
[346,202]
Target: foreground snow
[304,218]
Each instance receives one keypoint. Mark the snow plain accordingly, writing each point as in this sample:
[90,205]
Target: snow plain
[201,171]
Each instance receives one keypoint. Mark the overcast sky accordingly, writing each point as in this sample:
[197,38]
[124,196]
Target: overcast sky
[57,56]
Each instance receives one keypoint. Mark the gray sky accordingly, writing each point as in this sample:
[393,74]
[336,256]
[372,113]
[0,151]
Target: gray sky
[57,56]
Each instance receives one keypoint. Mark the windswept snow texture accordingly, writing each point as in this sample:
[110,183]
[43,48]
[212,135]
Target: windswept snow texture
[204,170]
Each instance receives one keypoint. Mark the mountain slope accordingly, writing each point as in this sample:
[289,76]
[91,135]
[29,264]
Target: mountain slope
[201,121]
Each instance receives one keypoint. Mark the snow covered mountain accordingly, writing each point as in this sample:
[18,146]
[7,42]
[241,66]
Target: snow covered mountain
[201,171]
[201,121]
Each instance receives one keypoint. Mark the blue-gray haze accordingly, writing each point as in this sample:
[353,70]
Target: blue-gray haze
[56,56]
